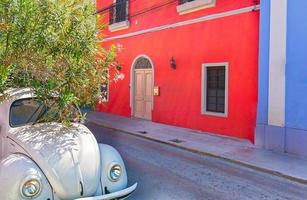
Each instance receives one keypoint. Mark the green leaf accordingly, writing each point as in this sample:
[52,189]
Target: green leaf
[51,47]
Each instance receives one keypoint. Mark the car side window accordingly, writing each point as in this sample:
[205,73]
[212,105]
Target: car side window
[25,111]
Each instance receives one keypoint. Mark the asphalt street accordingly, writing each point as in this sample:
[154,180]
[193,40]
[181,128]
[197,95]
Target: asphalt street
[167,173]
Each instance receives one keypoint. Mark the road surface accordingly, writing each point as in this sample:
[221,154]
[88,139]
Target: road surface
[167,173]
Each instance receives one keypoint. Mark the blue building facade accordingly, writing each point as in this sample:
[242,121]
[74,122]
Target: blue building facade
[282,98]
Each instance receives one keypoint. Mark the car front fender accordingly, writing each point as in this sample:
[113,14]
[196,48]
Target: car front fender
[110,156]
[15,170]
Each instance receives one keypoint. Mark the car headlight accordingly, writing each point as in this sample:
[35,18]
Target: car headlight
[31,188]
[115,172]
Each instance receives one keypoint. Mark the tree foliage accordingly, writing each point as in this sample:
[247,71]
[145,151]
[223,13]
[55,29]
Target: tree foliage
[52,47]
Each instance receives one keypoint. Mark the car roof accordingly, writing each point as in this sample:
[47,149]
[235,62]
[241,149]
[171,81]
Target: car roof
[19,93]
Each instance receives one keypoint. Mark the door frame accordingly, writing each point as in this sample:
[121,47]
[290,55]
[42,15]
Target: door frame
[132,82]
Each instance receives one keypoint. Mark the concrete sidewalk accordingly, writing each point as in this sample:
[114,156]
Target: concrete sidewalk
[234,150]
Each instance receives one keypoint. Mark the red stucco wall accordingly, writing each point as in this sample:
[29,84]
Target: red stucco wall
[232,39]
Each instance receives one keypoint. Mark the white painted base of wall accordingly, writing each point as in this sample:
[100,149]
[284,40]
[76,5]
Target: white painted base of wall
[281,139]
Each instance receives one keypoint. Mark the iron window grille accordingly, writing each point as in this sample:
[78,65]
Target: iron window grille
[215,97]
[119,11]
[180,2]
[104,92]
[142,63]
[104,89]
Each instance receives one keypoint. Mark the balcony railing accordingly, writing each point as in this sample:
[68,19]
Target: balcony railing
[180,2]
[119,11]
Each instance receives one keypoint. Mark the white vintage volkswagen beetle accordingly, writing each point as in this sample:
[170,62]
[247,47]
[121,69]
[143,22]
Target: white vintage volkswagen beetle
[49,161]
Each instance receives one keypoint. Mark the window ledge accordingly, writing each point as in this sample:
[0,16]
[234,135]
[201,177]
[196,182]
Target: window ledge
[195,6]
[119,26]
[215,114]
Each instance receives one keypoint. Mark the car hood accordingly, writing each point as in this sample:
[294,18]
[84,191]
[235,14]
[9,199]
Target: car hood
[69,157]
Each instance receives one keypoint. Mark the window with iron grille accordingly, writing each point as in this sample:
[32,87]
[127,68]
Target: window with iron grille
[184,1]
[142,63]
[104,89]
[188,6]
[119,11]
[104,92]
[215,89]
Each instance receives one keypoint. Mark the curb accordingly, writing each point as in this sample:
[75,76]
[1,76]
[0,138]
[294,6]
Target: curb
[257,168]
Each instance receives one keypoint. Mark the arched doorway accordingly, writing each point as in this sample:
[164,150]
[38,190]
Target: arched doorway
[142,88]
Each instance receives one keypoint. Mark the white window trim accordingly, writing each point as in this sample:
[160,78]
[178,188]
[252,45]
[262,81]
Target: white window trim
[120,25]
[193,6]
[204,89]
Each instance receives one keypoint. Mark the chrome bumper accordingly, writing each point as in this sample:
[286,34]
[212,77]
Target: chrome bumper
[122,194]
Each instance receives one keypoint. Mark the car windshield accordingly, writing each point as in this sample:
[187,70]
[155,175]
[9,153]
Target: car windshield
[25,111]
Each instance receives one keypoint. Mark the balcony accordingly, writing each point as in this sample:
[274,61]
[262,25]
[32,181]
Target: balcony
[188,6]
[119,15]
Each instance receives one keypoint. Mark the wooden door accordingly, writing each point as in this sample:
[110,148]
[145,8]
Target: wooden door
[143,93]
